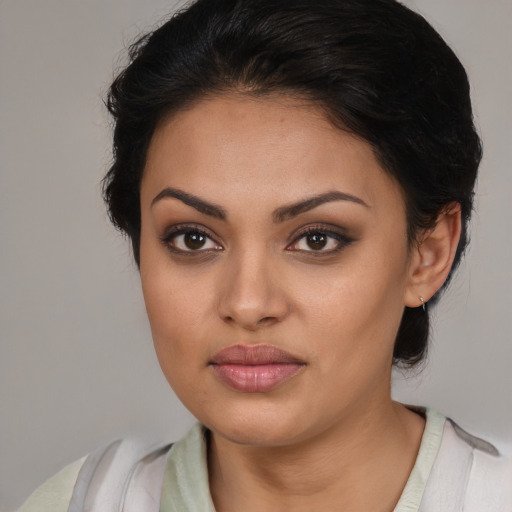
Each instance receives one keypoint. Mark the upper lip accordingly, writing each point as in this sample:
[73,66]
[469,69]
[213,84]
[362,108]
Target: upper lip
[253,355]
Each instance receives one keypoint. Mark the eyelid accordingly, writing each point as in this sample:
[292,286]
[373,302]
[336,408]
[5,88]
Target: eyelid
[331,231]
[180,229]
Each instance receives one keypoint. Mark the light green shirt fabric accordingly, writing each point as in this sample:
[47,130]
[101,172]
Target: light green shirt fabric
[54,495]
[186,486]
[186,479]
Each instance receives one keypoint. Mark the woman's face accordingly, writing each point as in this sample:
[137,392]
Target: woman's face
[274,263]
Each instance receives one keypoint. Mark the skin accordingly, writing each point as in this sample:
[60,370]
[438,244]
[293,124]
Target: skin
[329,438]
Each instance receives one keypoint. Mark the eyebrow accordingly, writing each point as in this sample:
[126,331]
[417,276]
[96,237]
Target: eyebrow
[279,215]
[292,210]
[200,205]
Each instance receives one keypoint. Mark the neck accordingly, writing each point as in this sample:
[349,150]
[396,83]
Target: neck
[362,463]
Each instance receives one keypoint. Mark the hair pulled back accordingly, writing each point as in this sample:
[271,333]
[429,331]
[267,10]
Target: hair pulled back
[375,67]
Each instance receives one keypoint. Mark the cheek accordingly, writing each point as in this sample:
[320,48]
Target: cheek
[355,311]
[165,304]
[178,303]
[173,315]
[176,332]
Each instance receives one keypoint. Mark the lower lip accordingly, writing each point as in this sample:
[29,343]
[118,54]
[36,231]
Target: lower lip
[256,378]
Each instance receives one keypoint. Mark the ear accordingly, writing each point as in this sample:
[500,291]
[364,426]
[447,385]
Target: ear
[432,257]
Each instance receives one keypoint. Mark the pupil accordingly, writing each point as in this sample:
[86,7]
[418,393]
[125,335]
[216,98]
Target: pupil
[317,241]
[194,240]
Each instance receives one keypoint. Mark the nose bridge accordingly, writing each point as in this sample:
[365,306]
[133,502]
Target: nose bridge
[252,295]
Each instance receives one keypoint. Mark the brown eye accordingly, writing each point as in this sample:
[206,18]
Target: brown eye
[316,241]
[194,241]
[187,240]
[320,241]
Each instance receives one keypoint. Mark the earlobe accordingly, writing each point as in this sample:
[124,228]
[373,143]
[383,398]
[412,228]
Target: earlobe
[433,257]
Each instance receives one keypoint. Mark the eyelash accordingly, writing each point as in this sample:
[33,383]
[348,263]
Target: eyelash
[341,239]
[176,231]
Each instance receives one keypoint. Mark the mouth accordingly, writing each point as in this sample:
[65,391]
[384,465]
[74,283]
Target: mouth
[255,368]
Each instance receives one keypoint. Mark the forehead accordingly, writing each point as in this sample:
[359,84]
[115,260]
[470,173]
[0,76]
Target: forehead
[261,150]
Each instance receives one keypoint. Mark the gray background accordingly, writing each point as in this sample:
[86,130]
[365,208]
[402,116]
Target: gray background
[77,366]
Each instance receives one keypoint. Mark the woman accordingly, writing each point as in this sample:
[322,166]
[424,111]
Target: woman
[296,179]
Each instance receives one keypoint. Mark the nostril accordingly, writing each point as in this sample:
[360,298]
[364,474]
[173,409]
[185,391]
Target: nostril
[266,320]
[251,305]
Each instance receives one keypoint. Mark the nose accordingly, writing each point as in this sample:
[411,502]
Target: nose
[252,294]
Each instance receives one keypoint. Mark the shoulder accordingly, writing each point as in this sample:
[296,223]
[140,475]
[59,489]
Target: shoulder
[487,471]
[104,476]
[55,494]
[469,473]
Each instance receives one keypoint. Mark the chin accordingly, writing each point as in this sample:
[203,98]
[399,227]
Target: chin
[257,425]
[257,435]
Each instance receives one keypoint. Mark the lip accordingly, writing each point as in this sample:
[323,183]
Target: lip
[254,368]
